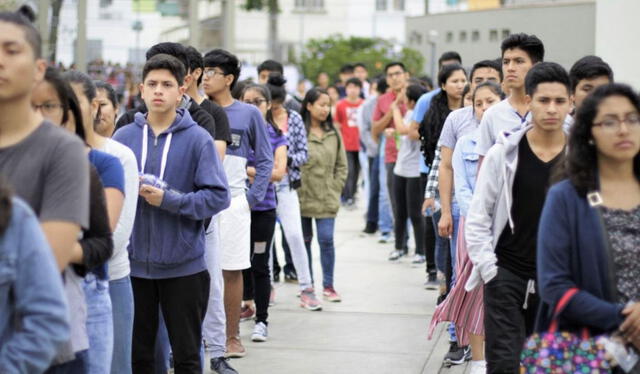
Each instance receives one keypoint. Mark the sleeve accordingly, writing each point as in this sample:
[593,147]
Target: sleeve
[486,138]
[340,170]
[297,153]
[211,194]
[96,243]
[223,132]
[377,111]
[39,304]
[113,174]
[432,182]
[259,140]
[340,114]
[203,118]
[64,201]
[364,115]
[479,223]
[463,191]
[421,107]
[447,136]
[122,233]
[554,269]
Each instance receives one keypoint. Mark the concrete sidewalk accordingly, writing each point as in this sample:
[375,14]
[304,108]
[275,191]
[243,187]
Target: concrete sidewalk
[379,327]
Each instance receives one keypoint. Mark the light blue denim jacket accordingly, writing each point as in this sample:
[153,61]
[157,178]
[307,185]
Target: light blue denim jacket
[34,320]
[465,169]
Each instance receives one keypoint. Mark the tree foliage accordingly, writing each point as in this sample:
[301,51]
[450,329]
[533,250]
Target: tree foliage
[331,53]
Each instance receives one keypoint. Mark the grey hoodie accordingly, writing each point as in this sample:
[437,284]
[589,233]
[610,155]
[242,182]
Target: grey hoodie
[490,208]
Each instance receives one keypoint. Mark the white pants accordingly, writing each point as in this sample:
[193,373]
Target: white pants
[214,325]
[288,212]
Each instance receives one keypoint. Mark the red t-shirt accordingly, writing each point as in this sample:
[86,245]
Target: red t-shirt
[383,105]
[346,117]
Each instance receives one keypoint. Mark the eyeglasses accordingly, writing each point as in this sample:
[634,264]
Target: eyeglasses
[256,102]
[615,123]
[47,108]
[211,73]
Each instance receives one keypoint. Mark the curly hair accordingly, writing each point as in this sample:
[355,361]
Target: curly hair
[581,164]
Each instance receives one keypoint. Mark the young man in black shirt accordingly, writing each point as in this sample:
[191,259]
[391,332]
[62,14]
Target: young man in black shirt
[503,218]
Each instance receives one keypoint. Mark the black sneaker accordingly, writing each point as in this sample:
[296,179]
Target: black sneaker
[276,277]
[432,282]
[221,365]
[457,355]
[370,228]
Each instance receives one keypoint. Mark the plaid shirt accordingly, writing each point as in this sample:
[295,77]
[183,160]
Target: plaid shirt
[431,192]
[297,151]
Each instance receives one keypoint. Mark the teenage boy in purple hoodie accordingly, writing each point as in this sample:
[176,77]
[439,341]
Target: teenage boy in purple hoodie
[182,183]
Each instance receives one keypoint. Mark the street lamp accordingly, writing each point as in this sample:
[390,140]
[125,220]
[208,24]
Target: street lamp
[433,36]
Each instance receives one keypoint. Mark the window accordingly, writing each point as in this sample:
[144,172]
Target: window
[449,36]
[463,36]
[398,5]
[493,35]
[475,36]
[505,33]
[381,5]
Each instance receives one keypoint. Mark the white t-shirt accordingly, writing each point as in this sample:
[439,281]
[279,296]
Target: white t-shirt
[408,162]
[119,262]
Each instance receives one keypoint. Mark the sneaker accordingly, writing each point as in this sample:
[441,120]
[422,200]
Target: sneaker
[235,349]
[272,297]
[396,254]
[457,355]
[478,367]
[276,277]
[221,365]
[247,313]
[370,228]
[330,294]
[260,333]
[432,282]
[418,259]
[290,276]
[385,237]
[309,301]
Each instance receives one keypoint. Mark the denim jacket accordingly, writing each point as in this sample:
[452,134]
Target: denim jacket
[465,169]
[34,320]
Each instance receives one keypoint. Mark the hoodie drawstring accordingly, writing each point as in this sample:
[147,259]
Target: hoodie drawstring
[531,289]
[165,151]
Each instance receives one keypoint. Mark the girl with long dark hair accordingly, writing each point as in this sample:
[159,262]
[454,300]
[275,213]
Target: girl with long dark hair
[589,234]
[323,177]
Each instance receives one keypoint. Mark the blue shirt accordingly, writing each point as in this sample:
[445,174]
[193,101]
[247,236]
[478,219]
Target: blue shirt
[109,168]
[465,169]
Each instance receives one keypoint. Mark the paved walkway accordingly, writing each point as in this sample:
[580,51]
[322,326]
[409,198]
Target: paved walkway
[379,327]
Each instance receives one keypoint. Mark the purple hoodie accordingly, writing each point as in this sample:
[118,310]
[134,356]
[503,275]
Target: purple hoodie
[168,241]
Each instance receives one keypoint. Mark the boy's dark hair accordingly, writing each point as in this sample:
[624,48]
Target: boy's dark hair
[196,61]
[346,69]
[165,62]
[359,65]
[382,85]
[31,34]
[414,91]
[451,55]
[528,43]
[546,72]
[589,67]
[176,50]
[271,65]
[394,63]
[224,60]
[354,81]
[491,64]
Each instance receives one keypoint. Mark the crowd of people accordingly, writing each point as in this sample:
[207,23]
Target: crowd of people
[135,242]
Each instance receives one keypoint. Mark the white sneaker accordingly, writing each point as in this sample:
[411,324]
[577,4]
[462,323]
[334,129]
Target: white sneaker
[478,367]
[260,333]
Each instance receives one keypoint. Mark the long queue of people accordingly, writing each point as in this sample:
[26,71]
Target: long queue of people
[136,243]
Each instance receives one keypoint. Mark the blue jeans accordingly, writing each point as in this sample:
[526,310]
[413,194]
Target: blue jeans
[385,218]
[99,324]
[325,229]
[455,218]
[122,305]
[80,365]
[441,245]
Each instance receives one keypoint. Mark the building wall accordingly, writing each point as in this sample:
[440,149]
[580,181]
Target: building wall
[568,31]
[617,38]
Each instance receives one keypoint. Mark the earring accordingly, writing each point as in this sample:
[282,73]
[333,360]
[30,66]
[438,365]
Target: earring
[591,142]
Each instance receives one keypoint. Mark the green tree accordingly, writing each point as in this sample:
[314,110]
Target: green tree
[329,54]
[272,37]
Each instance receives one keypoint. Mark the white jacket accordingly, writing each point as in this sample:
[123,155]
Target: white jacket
[490,208]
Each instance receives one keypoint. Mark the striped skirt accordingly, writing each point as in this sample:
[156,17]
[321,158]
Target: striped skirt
[464,309]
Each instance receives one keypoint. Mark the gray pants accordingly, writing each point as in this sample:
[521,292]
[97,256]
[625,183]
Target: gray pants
[214,325]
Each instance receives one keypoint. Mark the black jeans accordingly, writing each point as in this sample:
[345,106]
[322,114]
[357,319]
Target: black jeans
[183,301]
[257,284]
[408,205]
[506,323]
[429,232]
[374,191]
[351,187]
